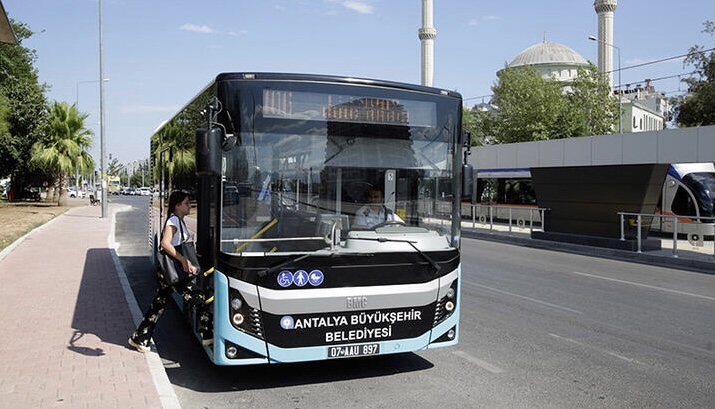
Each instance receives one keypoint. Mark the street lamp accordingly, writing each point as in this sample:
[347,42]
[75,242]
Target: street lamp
[102,145]
[76,95]
[618,52]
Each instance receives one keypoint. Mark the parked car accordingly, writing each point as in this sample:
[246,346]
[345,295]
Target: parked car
[73,192]
[29,194]
[144,191]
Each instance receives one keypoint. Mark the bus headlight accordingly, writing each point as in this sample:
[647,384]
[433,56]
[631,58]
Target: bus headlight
[243,317]
[447,304]
[236,303]
[237,319]
[231,351]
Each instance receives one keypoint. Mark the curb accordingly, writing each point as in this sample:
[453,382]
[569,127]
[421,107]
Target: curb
[164,388]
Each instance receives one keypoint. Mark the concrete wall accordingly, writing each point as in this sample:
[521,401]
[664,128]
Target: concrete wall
[665,146]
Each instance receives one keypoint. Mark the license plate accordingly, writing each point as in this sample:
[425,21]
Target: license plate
[348,351]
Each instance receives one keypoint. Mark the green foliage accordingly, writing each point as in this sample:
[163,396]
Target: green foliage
[23,107]
[531,108]
[4,112]
[697,108]
[114,167]
[528,106]
[62,150]
[475,120]
[593,109]
[140,175]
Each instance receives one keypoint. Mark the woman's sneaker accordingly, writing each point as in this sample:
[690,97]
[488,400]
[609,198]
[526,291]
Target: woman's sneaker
[139,347]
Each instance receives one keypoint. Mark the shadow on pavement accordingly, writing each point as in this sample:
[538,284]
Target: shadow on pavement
[101,308]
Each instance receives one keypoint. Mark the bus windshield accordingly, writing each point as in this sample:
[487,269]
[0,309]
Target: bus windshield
[307,161]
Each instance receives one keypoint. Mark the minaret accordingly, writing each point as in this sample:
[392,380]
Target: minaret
[427,35]
[605,9]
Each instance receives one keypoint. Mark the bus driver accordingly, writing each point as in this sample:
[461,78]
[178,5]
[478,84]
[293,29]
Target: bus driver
[375,212]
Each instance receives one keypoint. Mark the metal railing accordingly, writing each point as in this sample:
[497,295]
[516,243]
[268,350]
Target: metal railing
[639,227]
[507,212]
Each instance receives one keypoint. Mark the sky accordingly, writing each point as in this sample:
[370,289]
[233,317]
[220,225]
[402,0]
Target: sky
[158,54]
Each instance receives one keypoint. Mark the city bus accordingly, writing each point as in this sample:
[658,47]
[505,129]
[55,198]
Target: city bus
[113,185]
[282,164]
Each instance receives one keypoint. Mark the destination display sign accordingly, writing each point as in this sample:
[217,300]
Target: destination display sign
[347,108]
[354,327]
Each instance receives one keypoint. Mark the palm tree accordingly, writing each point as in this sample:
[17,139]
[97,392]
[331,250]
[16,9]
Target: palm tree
[62,150]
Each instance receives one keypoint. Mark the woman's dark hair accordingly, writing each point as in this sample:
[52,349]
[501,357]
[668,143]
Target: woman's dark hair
[176,197]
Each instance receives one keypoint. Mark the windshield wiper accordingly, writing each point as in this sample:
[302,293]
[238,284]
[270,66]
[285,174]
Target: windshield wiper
[410,242]
[275,268]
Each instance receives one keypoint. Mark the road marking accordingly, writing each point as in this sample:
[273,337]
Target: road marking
[605,351]
[530,299]
[652,287]
[482,364]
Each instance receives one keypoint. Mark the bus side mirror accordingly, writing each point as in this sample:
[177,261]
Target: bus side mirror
[467,181]
[208,151]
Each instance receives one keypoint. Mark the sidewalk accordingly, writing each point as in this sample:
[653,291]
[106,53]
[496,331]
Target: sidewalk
[67,313]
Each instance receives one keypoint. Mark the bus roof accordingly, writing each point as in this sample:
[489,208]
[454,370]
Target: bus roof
[333,78]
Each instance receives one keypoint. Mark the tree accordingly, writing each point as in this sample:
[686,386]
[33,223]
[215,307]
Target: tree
[23,109]
[593,107]
[529,107]
[140,173]
[473,121]
[63,149]
[114,167]
[697,108]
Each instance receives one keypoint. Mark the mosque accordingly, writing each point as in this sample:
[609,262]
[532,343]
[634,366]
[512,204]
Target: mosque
[642,108]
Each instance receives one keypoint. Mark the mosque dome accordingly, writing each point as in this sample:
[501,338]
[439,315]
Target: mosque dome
[553,61]
[548,53]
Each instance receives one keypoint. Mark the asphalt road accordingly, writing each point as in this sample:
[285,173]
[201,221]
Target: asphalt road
[539,329]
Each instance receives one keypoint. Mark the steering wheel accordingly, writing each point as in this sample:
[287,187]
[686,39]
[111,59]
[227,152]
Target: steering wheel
[388,223]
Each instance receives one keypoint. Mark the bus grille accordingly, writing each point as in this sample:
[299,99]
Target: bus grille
[439,312]
[256,323]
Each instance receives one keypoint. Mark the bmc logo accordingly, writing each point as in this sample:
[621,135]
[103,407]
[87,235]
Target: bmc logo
[356,303]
